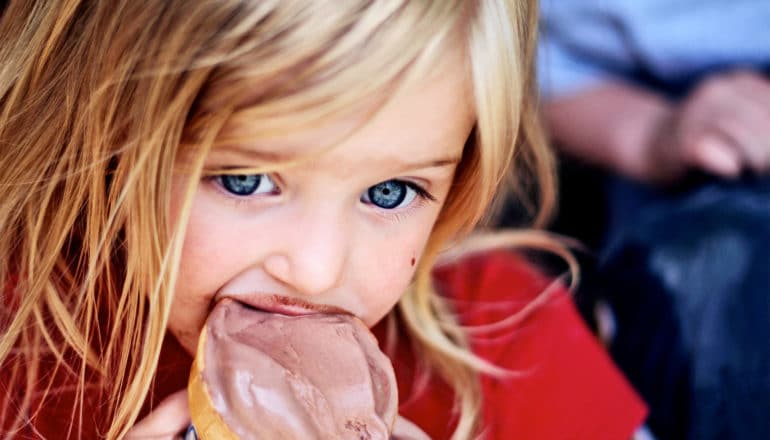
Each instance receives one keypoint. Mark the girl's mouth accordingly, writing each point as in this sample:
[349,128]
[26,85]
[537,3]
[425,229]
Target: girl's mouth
[284,305]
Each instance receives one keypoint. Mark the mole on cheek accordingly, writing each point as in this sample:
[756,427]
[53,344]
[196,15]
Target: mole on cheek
[412,261]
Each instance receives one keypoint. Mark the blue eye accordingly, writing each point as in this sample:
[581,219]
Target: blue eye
[390,194]
[247,184]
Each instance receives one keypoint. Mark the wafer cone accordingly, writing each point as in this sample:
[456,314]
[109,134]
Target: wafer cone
[207,421]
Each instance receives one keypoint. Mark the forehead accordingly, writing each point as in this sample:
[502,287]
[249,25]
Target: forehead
[426,115]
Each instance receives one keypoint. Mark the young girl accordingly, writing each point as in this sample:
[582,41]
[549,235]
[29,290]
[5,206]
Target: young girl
[160,155]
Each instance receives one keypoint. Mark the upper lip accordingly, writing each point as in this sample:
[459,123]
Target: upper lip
[285,305]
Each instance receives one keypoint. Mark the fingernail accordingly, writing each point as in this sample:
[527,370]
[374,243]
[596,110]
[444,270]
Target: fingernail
[719,157]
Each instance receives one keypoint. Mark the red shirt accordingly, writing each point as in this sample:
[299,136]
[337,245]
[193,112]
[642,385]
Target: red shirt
[566,387]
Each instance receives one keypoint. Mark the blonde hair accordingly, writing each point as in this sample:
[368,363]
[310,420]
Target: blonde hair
[99,101]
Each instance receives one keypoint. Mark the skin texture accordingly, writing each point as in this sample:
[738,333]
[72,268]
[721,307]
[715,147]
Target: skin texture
[315,237]
[722,127]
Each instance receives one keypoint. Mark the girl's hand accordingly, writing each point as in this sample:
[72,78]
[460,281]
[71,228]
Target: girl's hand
[168,421]
[406,430]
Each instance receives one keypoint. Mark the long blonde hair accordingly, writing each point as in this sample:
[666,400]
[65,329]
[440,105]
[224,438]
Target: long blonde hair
[100,100]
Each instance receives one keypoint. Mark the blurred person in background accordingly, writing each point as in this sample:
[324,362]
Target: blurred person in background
[662,110]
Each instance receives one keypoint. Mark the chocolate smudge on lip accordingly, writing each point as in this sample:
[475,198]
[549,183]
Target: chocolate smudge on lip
[311,307]
[280,304]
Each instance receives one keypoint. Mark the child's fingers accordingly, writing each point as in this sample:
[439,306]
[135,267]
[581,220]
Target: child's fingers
[406,430]
[167,421]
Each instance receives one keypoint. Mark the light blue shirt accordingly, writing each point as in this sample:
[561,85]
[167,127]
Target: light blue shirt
[661,43]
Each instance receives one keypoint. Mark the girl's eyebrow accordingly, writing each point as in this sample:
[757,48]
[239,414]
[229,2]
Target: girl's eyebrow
[272,156]
[431,163]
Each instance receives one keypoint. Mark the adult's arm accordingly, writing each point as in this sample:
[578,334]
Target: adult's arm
[613,125]
[722,127]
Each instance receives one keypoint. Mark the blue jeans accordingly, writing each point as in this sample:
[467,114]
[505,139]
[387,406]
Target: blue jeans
[688,276]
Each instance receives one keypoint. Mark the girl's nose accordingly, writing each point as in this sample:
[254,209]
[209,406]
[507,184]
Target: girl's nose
[314,257]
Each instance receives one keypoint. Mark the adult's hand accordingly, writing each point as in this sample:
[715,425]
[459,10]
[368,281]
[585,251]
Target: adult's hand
[722,126]
[168,421]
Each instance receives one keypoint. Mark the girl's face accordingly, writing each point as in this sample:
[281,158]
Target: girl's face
[342,231]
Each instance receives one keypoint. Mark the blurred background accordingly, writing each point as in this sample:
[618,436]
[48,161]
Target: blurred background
[660,111]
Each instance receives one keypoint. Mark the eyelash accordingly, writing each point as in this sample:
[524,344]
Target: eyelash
[396,215]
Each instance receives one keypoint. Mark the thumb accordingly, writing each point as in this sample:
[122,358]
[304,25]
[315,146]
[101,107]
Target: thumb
[166,421]
[403,429]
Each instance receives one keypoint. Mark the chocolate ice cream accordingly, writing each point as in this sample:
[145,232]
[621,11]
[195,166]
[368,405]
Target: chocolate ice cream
[272,376]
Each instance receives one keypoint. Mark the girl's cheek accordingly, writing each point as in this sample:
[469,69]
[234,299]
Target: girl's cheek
[187,337]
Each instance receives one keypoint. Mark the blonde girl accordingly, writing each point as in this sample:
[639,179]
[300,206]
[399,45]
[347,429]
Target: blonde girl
[158,155]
